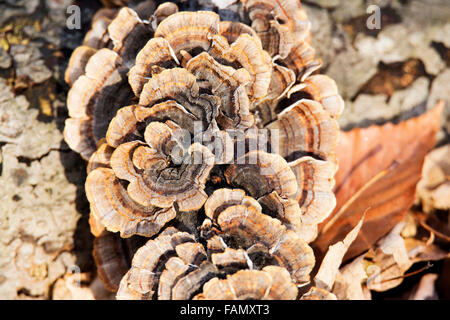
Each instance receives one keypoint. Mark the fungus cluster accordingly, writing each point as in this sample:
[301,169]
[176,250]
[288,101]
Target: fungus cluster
[210,149]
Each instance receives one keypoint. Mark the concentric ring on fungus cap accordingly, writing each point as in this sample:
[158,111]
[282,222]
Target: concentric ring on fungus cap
[154,90]
[247,226]
[147,203]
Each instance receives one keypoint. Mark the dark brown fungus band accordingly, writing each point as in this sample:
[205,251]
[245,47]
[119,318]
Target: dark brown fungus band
[286,210]
[128,34]
[223,198]
[93,100]
[112,255]
[231,260]
[77,63]
[260,173]
[213,140]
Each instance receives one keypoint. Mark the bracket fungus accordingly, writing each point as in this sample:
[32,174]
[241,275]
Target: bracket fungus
[210,140]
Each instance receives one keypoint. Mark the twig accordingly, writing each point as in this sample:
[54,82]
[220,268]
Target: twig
[421,220]
[429,265]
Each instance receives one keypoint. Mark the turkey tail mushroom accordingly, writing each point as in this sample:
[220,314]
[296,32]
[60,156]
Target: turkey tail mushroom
[212,140]
[279,24]
[247,226]
[172,266]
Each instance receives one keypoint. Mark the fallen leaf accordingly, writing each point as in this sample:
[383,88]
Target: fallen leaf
[393,244]
[329,267]
[379,168]
[394,255]
[432,223]
[434,188]
[385,265]
[350,280]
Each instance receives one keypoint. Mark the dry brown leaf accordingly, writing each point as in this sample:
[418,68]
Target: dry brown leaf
[349,281]
[384,266]
[434,188]
[379,168]
[394,244]
[394,255]
[390,261]
[332,261]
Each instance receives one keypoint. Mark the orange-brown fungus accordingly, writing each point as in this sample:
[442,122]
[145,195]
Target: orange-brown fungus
[211,141]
